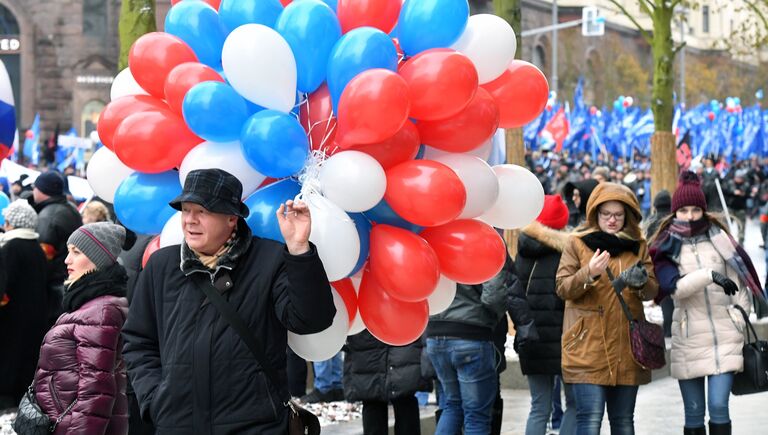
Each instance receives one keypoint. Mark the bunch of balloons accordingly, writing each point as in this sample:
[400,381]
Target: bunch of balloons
[385,109]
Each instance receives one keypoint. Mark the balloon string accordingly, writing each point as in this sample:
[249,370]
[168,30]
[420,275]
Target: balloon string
[309,178]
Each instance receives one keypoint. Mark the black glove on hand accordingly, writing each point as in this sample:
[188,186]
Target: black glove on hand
[635,276]
[524,335]
[729,287]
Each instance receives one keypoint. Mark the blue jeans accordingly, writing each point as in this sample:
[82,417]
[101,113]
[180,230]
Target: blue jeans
[541,388]
[591,401]
[719,389]
[467,373]
[328,374]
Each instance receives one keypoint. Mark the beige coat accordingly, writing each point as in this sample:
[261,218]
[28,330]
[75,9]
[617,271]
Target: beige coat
[595,343]
[707,331]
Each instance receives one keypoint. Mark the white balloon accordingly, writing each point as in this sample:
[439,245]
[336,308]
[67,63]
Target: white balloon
[521,198]
[490,42]
[105,173]
[260,65]
[483,151]
[334,234]
[124,84]
[479,180]
[222,155]
[94,136]
[353,180]
[442,297]
[326,343]
[172,233]
[357,325]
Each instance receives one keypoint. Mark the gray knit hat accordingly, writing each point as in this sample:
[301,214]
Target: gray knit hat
[101,242]
[19,214]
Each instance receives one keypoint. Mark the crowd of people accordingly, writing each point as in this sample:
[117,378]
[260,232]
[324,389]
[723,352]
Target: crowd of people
[111,347]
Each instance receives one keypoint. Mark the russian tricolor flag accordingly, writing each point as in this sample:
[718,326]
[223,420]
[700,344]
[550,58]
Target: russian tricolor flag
[7,114]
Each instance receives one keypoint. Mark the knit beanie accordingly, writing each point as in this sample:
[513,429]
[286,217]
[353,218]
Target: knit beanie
[554,214]
[50,183]
[101,242]
[19,214]
[662,202]
[688,192]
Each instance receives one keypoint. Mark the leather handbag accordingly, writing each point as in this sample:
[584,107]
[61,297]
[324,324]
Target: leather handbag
[645,338]
[754,377]
[301,421]
[30,418]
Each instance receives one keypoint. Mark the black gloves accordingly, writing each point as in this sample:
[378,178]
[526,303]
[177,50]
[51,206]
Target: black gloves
[729,287]
[633,277]
[524,335]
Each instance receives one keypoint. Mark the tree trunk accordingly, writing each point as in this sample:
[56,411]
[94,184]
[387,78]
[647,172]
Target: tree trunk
[137,17]
[663,147]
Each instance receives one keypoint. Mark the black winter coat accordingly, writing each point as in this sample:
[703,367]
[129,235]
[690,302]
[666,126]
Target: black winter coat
[57,219]
[190,370]
[375,371]
[533,299]
[23,323]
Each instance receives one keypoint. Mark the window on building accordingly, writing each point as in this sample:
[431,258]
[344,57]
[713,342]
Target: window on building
[539,57]
[89,117]
[705,19]
[95,18]
[8,23]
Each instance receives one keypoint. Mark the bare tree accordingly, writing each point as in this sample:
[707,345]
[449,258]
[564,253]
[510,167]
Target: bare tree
[137,17]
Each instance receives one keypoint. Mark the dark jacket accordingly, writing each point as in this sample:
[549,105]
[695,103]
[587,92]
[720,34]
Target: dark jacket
[709,186]
[57,219]
[578,213]
[22,323]
[80,360]
[190,370]
[533,303]
[374,371]
[736,201]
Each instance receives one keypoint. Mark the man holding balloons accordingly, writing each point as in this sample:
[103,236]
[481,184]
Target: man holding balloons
[191,371]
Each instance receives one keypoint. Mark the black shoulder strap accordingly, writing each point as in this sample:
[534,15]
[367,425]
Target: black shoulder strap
[749,326]
[238,324]
[618,290]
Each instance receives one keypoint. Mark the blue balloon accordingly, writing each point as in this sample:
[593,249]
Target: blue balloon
[333,4]
[363,226]
[263,205]
[274,143]
[420,154]
[4,201]
[215,111]
[235,13]
[359,50]
[383,214]
[311,29]
[426,24]
[141,201]
[197,24]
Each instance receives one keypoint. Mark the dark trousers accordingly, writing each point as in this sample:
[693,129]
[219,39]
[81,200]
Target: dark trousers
[376,416]
[296,370]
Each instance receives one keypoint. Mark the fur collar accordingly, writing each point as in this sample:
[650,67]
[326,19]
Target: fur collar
[556,240]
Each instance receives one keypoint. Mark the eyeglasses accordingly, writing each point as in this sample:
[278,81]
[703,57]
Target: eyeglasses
[607,216]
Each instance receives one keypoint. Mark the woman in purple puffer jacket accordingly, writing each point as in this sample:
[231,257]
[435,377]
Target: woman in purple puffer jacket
[80,376]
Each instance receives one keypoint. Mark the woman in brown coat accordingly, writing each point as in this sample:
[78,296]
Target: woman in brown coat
[596,354]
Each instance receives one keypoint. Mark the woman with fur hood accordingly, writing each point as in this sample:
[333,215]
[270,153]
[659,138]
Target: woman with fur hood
[537,313]
[703,268]
[596,354]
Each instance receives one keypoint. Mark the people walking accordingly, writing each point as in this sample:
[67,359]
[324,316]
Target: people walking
[704,270]
[596,354]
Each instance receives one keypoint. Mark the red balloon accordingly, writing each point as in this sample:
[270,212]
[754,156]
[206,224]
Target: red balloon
[267,181]
[285,2]
[182,78]
[392,321]
[381,14]
[466,130]
[521,93]
[153,56]
[373,107]
[425,192]
[118,110]
[470,251]
[401,147]
[214,3]
[153,141]
[711,116]
[346,290]
[153,246]
[316,116]
[403,263]
[441,81]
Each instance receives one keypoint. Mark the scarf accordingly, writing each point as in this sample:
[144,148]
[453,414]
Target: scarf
[210,261]
[665,250]
[110,280]
[608,242]
[18,233]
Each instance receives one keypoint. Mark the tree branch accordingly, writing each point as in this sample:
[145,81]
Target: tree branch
[674,3]
[644,33]
[647,6]
[678,48]
[758,12]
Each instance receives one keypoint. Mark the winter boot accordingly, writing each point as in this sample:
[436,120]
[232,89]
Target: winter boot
[719,428]
[695,430]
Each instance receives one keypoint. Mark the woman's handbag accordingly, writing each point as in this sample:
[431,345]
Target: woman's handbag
[31,420]
[645,338]
[301,421]
[754,377]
